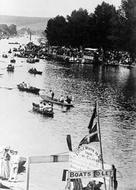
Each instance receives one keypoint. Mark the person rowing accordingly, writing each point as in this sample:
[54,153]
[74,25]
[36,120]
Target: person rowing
[68,100]
[61,99]
[52,94]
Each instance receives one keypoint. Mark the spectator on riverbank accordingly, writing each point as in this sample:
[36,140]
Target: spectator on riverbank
[5,164]
[14,164]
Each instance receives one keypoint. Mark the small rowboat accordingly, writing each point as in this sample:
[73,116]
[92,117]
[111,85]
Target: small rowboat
[48,111]
[10,68]
[30,89]
[12,60]
[4,56]
[30,60]
[55,101]
[34,71]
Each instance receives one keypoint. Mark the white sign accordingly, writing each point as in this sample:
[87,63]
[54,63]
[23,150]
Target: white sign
[90,174]
[84,158]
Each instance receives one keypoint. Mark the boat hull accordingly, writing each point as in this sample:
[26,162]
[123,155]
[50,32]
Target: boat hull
[55,101]
[30,90]
[35,72]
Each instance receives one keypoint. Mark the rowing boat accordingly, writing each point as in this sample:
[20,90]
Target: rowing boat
[34,71]
[31,89]
[10,68]
[55,101]
[48,111]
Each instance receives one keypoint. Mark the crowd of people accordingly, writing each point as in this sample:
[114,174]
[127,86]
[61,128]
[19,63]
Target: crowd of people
[9,164]
[45,106]
[93,186]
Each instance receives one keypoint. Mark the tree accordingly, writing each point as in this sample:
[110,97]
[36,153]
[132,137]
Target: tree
[78,28]
[106,21]
[12,29]
[128,10]
[56,30]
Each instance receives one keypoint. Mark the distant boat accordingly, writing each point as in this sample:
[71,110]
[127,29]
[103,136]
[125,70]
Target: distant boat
[26,88]
[13,43]
[12,60]
[10,51]
[10,67]
[47,111]
[4,56]
[30,60]
[34,71]
[55,101]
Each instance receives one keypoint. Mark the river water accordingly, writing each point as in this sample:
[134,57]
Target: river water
[33,134]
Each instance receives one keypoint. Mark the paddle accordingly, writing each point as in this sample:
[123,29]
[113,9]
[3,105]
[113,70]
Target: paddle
[8,88]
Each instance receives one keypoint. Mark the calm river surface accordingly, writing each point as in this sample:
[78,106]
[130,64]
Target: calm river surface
[33,134]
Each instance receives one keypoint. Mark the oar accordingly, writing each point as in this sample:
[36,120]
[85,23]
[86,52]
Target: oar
[2,61]
[19,66]
[8,88]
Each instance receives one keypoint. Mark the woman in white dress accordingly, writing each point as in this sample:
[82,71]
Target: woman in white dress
[5,164]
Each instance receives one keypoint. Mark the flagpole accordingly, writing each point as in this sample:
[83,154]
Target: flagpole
[101,151]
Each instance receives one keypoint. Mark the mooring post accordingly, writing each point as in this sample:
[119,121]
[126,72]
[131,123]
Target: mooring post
[27,173]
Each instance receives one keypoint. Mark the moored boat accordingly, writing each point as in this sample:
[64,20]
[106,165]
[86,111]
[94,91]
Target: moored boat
[10,67]
[34,71]
[24,87]
[56,101]
[44,109]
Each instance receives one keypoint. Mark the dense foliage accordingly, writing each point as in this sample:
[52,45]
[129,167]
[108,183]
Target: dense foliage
[7,30]
[107,28]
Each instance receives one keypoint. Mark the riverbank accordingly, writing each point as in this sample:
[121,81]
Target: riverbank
[68,56]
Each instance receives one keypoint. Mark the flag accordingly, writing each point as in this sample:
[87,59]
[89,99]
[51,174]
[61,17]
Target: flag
[93,129]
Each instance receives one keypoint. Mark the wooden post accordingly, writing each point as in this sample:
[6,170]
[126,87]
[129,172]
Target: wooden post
[115,183]
[99,130]
[27,173]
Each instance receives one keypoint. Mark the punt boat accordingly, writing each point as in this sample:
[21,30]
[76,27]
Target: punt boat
[55,101]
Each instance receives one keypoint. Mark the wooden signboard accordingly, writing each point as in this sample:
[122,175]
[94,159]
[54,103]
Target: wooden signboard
[90,174]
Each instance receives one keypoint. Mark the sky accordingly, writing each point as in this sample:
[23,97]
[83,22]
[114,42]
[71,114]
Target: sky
[49,8]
